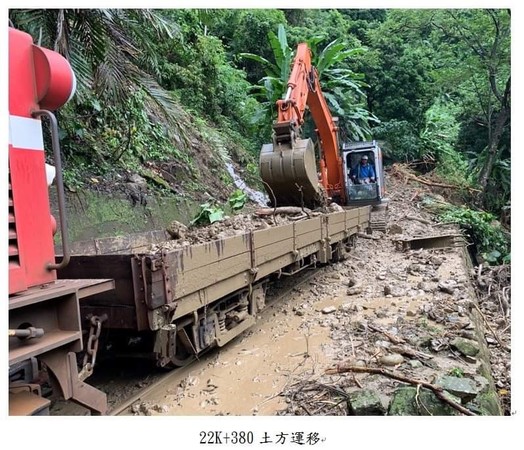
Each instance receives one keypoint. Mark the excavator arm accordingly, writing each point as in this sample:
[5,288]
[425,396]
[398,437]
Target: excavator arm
[288,167]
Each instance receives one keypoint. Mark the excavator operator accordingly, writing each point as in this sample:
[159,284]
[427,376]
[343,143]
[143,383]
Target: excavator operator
[363,172]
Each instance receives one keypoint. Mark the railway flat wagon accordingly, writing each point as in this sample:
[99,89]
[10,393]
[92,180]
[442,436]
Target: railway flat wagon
[183,301]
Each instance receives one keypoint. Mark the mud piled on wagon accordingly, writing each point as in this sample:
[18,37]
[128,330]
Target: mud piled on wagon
[260,219]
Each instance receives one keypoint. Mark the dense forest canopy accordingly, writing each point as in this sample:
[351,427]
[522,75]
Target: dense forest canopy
[433,85]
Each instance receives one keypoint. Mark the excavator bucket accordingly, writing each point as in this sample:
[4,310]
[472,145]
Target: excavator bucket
[290,174]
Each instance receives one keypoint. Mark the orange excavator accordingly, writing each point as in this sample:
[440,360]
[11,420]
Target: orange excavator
[288,166]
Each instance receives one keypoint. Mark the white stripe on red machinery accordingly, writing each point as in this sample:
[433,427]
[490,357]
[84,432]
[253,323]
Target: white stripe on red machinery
[25,133]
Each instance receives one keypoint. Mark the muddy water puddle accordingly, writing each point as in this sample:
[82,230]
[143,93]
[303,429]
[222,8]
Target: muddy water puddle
[247,376]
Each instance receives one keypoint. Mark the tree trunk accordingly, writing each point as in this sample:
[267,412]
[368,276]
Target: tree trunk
[493,148]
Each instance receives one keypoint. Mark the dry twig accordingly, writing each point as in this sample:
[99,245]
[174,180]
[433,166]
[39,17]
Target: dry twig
[405,350]
[419,401]
[502,345]
[392,338]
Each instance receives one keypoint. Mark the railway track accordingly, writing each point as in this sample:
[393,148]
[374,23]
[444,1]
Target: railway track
[157,308]
[144,384]
[278,292]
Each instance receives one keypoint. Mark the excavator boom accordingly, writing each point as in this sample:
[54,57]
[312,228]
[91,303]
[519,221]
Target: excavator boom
[288,165]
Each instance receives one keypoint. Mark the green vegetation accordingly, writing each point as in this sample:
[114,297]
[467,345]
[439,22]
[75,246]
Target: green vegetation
[237,200]
[492,241]
[341,87]
[211,212]
[191,89]
[208,213]
[428,68]
[456,372]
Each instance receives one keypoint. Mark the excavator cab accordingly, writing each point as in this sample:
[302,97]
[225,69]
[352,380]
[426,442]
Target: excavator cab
[362,190]
[288,165]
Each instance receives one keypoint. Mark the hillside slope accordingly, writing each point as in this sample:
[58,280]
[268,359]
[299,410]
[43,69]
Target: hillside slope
[206,166]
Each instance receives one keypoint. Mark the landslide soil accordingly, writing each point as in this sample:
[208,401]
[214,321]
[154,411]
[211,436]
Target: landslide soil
[363,311]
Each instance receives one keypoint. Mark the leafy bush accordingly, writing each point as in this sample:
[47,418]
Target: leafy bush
[492,242]
[104,135]
[439,141]
[207,214]
[401,140]
[237,200]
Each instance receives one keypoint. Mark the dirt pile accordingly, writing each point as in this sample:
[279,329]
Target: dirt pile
[400,317]
[387,311]
[258,219]
[412,312]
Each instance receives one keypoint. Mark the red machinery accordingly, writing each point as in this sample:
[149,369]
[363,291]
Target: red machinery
[38,79]
[288,165]
[44,314]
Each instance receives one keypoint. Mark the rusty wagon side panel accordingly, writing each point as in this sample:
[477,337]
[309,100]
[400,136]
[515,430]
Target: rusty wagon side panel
[207,293]
[201,274]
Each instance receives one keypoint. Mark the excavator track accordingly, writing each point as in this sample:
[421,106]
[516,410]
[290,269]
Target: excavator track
[379,218]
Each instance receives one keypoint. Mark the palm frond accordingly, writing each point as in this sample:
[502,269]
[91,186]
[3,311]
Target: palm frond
[271,69]
[39,23]
[278,52]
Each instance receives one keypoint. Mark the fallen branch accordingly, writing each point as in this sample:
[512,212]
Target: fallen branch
[400,346]
[443,224]
[407,351]
[274,201]
[393,339]
[282,210]
[442,185]
[418,219]
[437,390]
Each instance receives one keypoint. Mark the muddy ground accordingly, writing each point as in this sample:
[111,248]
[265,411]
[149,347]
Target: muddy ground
[422,314]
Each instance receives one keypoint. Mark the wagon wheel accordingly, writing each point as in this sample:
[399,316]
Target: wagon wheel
[185,352]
